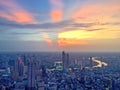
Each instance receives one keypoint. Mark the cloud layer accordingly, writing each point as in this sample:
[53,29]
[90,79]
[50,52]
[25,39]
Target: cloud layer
[64,24]
[14,12]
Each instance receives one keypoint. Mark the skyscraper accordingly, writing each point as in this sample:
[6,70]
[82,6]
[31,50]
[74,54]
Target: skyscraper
[24,59]
[65,60]
[91,62]
[20,67]
[68,61]
[15,73]
[44,74]
[31,74]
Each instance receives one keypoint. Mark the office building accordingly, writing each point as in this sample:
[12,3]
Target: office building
[31,74]
[20,67]
[65,60]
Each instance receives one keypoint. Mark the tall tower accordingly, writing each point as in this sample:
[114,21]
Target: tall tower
[65,60]
[20,67]
[31,74]
[91,62]
[24,59]
[44,74]
[15,74]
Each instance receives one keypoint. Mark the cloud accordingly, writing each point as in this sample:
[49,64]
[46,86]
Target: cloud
[56,15]
[24,33]
[62,42]
[98,12]
[19,16]
[14,12]
[81,37]
[56,12]
[56,3]
[47,39]
[65,25]
[73,38]
[49,25]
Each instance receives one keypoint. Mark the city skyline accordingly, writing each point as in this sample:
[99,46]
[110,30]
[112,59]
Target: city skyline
[56,25]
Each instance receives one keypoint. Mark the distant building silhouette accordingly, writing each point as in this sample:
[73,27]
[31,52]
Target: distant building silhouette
[91,62]
[25,59]
[31,74]
[65,60]
[44,74]
[20,67]
[15,73]
[68,61]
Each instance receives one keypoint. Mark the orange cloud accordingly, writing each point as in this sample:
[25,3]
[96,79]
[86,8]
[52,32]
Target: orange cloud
[63,42]
[56,15]
[47,39]
[56,12]
[16,13]
[93,12]
[19,16]
[23,17]
[73,38]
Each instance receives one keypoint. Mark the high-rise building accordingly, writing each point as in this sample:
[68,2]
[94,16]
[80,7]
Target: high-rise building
[65,60]
[15,73]
[20,67]
[24,59]
[31,74]
[68,61]
[44,74]
[91,62]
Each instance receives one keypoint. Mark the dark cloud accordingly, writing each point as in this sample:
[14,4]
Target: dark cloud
[79,28]
[11,24]
[66,23]
[96,29]
[82,24]
[22,33]
[108,23]
[50,26]
[27,33]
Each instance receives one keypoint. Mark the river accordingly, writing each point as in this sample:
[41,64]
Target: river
[99,62]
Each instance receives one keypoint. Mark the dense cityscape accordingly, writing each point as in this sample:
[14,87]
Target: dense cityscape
[59,71]
[59,44]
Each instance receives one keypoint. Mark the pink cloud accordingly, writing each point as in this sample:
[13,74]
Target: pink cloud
[57,3]
[89,11]
[56,15]
[15,12]
[56,12]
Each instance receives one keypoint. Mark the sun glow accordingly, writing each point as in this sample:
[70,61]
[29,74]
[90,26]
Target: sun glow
[75,34]
[81,37]
[72,38]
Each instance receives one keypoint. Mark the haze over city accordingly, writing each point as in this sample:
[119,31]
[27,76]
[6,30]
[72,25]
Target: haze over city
[55,25]
[59,44]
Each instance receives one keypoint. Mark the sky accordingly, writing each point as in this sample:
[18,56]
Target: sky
[56,25]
